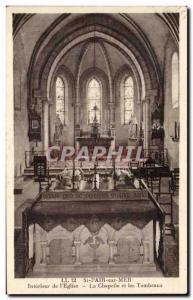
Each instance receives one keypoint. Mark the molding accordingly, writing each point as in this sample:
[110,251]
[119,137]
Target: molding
[18,21]
[101,26]
[172,22]
[38,46]
[148,47]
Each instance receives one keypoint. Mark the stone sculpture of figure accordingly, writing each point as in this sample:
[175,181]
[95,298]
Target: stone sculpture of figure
[78,176]
[65,178]
[133,127]
[123,177]
[157,135]
[58,129]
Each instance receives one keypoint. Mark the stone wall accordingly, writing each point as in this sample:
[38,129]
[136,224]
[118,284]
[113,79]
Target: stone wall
[78,61]
[21,142]
[171,115]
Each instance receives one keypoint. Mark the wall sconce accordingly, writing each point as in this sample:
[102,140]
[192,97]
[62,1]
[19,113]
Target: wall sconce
[176,135]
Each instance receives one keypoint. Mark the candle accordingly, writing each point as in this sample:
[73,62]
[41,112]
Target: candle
[175,128]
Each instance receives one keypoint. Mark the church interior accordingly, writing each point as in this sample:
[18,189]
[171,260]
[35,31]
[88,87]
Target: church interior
[83,81]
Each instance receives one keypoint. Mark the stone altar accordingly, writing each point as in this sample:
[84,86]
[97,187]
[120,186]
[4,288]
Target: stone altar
[90,142]
[114,231]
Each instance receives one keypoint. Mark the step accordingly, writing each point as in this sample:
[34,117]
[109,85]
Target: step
[92,269]
[29,172]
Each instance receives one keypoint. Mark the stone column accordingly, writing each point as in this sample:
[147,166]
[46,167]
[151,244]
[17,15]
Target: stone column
[140,105]
[77,119]
[150,99]
[146,252]
[77,252]
[46,123]
[51,124]
[77,113]
[111,119]
[44,253]
[146,118]
[47,253]
[111,252]
[37,237]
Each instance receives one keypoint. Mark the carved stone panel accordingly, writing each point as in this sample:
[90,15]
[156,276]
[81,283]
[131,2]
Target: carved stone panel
[60,252]
[128,250]
[94,247]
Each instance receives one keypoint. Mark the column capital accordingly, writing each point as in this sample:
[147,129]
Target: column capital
[45,100]
[147,98]
[36,93]
[152,93]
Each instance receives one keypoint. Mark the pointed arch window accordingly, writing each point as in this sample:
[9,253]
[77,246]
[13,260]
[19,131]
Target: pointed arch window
[94,96]
[175,81]
[128,99]
[60,99]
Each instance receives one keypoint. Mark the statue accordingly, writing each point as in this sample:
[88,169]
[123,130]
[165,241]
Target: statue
[132,127]
[58,129]
[157,134]
[64,180]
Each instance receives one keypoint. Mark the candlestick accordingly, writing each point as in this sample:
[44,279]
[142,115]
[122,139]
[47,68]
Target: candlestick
[73,173]
[175,130]
[114,174]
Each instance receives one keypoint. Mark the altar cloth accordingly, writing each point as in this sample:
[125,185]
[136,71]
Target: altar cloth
[129,206]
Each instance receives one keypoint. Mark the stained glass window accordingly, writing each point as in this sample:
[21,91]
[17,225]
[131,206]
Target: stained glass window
[94,101]
[175,82]
[60,99]
[128,99]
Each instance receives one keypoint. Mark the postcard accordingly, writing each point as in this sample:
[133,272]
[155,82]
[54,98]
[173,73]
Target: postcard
[97,150]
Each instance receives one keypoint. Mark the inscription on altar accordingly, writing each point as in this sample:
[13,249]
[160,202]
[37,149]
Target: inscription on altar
[96,195]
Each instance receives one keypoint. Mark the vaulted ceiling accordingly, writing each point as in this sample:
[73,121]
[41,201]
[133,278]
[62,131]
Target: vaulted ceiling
[73,40]
[155,27]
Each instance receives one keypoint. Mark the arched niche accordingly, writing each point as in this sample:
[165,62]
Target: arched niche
[104,28]
[83,85]
[103,24]
[122,129]
[68,129]
[142,71]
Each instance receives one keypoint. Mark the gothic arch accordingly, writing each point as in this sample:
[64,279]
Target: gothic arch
[105,55]
[103,25]
[103,79]
[126,70]
[63,71]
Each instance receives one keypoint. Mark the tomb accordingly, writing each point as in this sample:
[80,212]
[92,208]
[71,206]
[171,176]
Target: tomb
[111,231]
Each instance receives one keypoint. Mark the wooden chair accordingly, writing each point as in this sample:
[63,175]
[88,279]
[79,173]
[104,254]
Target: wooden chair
[149,163]
[41,172]
[164,171]
[174,182]
[142,173]
[133,164]
[154,180]
[166,202]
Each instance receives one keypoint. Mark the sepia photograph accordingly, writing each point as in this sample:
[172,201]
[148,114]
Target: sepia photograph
[97,134]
